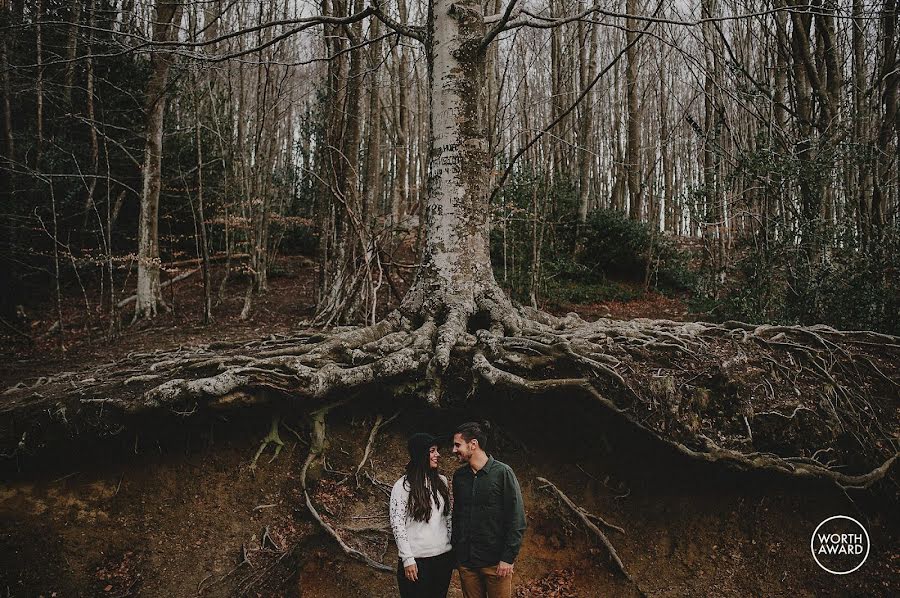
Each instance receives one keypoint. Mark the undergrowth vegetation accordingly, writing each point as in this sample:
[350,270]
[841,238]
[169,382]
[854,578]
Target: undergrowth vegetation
[845,285]
[540,249]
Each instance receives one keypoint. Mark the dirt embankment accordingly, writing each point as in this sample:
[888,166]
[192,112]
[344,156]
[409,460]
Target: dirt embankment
[179,513]
[175,510]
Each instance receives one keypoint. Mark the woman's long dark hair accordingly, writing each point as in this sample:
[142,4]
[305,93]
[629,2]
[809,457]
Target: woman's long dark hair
[421,479]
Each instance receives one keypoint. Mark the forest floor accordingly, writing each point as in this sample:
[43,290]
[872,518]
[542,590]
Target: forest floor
[177,511]
[29,343]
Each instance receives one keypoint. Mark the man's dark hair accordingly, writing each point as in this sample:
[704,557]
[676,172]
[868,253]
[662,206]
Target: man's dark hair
[474,431]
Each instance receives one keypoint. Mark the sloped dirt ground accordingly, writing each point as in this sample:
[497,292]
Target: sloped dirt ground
[175,511]
[182,515]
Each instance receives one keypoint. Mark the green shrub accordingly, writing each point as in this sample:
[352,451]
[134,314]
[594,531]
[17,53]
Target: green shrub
[579,263]
[615,247]
[845,286]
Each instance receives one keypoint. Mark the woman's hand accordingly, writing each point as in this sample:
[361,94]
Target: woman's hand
[412,572]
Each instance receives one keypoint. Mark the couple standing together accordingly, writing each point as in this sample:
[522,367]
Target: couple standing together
[481,536]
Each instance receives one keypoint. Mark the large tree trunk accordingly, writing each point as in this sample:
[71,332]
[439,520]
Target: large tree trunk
[455,271]
[149,297]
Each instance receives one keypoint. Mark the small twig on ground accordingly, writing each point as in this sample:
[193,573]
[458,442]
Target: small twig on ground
[202,581]
[386,488]
[65,477]
[267,539]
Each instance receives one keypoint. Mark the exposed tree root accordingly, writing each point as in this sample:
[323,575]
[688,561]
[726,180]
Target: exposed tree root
[712,453]
[779,398]
[271,438]
[316,453]
[588,520]
[380,422]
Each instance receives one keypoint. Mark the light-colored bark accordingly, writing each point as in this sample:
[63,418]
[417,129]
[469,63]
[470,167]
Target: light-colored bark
[149,297]
[633,127]
[588,68]
[455,280]
[455,259]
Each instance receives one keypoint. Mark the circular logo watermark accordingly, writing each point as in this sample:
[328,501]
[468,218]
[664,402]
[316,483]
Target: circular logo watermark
[840,545]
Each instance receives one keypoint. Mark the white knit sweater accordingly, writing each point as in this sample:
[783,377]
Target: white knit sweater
[418,538]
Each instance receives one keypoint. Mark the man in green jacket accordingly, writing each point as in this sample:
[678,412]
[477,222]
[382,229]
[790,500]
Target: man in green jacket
[488,517]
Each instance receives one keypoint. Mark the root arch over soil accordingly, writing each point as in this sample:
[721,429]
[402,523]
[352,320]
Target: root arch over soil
[808,401]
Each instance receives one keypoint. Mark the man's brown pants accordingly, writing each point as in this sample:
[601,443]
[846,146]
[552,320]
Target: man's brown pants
[484,583]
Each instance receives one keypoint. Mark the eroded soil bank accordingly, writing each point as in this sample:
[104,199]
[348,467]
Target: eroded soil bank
[178,512]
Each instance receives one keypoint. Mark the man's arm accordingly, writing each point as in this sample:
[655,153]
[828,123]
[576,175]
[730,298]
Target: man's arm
[514,517]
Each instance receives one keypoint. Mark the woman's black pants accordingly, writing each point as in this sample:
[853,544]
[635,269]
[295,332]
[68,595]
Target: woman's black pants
[434,577]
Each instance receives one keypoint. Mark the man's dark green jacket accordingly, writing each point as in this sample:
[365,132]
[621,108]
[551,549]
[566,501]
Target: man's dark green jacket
[488,515]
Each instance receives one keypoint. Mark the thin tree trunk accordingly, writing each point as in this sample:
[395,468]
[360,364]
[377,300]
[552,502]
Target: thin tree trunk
[71,52]
[861,124]
[620,172]
[204,243]
[400,197]
[588,64]
[712,146]
[91,115]
[7,102]
[888,126]
[665,149]
[39,83]
[633,138]
[149,296]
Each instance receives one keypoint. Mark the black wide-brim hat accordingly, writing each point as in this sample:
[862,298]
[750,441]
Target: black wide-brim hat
[418,444]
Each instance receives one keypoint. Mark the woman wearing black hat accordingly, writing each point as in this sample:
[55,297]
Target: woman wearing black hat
[420,519]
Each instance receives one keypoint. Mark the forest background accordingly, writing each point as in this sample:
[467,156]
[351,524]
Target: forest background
[738,154]
[222,217]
